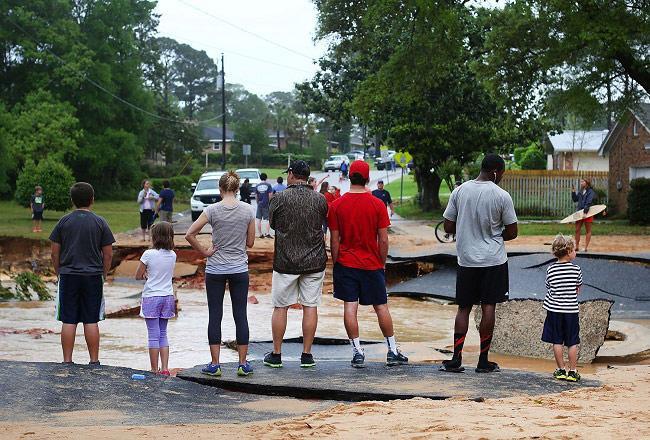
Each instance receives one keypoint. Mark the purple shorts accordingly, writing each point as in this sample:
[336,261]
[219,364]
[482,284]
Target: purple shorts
[158,307]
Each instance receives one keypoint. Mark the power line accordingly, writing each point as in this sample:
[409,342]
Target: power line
[85,77]
[241,29]
[232,52]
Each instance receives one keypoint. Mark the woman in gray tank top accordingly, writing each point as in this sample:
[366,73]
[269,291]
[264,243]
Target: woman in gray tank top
[233,230]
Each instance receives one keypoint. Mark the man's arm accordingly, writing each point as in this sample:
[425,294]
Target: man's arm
[107,256]
[383,245]
[510,232]
[334,245]
[390,205]
[450,227]
[55,254]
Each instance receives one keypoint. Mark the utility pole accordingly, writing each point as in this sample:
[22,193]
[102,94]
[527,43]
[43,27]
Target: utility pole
[223,116]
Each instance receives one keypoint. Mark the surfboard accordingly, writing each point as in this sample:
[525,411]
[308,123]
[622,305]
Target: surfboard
[580,215]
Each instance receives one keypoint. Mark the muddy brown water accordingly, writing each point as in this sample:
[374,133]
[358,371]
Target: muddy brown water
[421,326]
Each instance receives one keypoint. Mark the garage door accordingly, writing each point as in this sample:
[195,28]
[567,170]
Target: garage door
[636,172]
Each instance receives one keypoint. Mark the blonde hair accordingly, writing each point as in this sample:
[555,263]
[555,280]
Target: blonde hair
[562,246]
[229,182]
[162,236]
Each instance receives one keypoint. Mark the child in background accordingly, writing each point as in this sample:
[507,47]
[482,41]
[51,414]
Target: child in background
[158,302]
[562,326]
[37,206]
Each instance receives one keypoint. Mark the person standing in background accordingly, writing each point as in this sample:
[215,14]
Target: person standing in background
[147,200]
[279,186]
[584,198]
[245,192]
[37,206]
[165,205]
[384,196]
[263,195]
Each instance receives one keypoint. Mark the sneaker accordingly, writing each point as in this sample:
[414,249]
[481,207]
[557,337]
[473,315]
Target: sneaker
[244,369]
[212,369]
[67,363]
[268,236]
[262,236]
[487,367]
[273,360]
[453,365]
[573,376]
[358,360]
[95,363]
[165,373]
[398,358]
[560,374]
[307,360]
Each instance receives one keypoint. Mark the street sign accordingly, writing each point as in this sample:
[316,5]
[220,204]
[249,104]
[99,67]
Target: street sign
[246,149]
[402,159]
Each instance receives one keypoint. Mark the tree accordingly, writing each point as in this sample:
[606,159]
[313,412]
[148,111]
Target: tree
[408,64]
[7,164]
[196,78]
[55,178]
[44,127]
[544,55]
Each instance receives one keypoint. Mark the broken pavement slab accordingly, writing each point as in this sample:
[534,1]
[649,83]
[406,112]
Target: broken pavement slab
[519,323]
[337,380]
[81,395]
[127,269]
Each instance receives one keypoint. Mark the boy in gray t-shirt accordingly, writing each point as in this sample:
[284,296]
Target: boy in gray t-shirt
[483,217]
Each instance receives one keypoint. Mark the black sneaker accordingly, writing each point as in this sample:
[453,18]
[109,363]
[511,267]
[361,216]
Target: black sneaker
[573,376]
[95,363]
[487,367]
[307,360]
[398,358]
[358,360]
[268,236]
[453,365]
[273,360]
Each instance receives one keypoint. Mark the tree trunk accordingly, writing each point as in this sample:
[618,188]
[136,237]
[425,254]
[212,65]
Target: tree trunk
[429,184]
[277,137]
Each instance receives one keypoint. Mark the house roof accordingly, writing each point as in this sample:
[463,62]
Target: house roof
[641,113]
[576,141]
[216,134]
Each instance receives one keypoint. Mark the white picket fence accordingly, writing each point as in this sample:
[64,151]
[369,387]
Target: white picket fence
[548,192]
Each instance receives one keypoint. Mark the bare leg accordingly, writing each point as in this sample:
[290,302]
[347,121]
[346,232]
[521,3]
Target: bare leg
[215,350]
[461,324]
[587,235]
[559,355]
[91,333]
[577,236]
[242,350]
[68,333]
[486,329]
[309,324]
[154,353]
[144,234]
[259,227]
[278,327]
[385,320]
[573,357]
[350,319]
[164,358]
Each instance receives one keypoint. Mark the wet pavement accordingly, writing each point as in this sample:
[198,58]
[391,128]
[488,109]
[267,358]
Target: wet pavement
[78,395]
[339,381]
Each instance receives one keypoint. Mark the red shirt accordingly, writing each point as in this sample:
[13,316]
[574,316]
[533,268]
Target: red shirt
[358,218]
[329,197]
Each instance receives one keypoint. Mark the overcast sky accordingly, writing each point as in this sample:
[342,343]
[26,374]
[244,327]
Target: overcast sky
[203,24]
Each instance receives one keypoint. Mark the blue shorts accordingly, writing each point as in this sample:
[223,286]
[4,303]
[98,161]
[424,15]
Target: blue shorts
[262,212]
[368,287]
[561,329]
[80,298]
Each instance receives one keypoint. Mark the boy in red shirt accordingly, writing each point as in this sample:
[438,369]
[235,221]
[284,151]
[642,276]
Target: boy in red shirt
[359,223]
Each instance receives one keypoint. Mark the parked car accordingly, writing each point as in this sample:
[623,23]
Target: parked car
[382,162]
[356,155]
[206,192]
[334,162]
[253,176]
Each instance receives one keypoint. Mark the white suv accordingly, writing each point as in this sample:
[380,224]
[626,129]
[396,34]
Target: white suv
[334,162]
[206,192]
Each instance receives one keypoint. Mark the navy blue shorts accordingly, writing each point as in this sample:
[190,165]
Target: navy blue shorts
[37,215]
[366,286]
[80,298]
[561,329]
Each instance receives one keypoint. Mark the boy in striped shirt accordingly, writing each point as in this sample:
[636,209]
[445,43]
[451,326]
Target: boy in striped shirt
[562,326]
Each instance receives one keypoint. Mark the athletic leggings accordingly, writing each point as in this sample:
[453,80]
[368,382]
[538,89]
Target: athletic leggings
[215,286]
[157,329]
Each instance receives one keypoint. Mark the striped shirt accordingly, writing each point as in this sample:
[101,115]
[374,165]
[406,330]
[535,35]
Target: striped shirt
[562,282]
[229,232]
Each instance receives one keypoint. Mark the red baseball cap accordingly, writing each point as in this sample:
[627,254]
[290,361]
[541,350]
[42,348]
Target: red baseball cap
[360,167]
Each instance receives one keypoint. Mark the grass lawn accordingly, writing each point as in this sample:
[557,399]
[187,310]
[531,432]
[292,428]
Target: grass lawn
[16,220]
[615,227]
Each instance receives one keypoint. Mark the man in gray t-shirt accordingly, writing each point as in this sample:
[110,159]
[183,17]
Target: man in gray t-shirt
[483,217]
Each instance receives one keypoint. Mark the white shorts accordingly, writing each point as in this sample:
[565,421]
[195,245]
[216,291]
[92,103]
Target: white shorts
[305,289]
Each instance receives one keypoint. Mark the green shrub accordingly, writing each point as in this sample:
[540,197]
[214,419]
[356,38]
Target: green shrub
[533,159]
[26,283]
[55,178]
[178,183]
[638,201]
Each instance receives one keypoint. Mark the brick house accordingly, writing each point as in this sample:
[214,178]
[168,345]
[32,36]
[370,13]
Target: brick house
[628,149]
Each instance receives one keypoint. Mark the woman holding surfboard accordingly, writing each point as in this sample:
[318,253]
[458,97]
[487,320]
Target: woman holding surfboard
[584,197]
